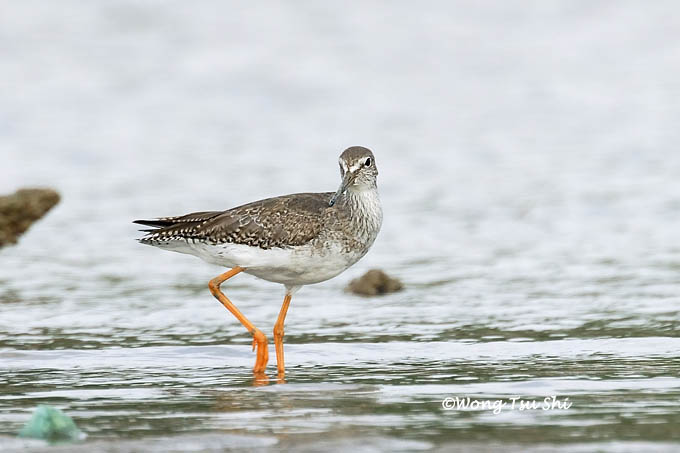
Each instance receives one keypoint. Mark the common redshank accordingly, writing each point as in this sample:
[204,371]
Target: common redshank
[295,240]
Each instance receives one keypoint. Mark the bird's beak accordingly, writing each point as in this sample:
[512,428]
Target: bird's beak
[347,180]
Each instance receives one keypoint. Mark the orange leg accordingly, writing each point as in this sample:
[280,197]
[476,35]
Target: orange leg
[278,335]
[259,340]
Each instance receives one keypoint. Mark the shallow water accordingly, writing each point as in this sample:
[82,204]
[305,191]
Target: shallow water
[529,176]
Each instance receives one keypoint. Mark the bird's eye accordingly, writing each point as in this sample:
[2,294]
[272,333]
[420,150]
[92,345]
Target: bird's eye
[368,162]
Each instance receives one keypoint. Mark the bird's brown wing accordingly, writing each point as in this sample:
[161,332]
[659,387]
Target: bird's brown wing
[285,221]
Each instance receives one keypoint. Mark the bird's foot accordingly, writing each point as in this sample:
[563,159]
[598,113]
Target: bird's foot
[260,343]
[260,380]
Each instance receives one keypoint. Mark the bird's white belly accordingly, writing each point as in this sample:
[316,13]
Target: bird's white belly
[293,266]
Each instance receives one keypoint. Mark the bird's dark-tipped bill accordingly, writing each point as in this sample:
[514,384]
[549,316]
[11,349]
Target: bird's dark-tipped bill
[347,181]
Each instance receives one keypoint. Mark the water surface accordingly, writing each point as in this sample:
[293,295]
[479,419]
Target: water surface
[529,174]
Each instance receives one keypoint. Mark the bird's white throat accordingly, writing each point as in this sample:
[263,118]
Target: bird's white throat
[365,208]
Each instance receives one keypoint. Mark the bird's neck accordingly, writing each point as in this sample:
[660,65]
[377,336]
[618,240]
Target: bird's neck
[364,208]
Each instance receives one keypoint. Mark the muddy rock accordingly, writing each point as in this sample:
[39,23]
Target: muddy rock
[374,282]
[20,209]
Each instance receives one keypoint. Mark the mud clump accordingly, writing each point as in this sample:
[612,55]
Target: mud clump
[21,209]
[373,283]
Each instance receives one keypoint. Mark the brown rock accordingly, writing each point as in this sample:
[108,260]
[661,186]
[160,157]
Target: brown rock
[374,282]
[19,210]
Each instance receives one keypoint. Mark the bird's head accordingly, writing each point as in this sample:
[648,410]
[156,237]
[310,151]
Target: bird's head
[358,171]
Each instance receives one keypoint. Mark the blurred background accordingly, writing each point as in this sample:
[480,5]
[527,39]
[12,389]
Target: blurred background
[529,164]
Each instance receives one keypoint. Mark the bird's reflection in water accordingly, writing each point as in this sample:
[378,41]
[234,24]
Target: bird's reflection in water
[261,379]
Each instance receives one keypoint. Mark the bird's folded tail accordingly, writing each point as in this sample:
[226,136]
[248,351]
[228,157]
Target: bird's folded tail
[166,228]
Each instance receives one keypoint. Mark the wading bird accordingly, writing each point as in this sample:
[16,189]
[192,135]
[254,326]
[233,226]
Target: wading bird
[294,240]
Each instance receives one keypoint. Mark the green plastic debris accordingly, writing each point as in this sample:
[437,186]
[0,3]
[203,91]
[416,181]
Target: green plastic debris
[51,424]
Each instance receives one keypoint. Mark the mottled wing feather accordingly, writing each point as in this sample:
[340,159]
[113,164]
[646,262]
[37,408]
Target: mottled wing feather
[285,221]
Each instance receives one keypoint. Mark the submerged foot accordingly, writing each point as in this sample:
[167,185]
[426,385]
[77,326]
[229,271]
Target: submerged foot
[262,357]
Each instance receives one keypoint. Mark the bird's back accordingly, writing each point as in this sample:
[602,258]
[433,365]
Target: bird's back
[285,221]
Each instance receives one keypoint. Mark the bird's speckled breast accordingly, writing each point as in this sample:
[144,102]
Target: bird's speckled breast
[350,229]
